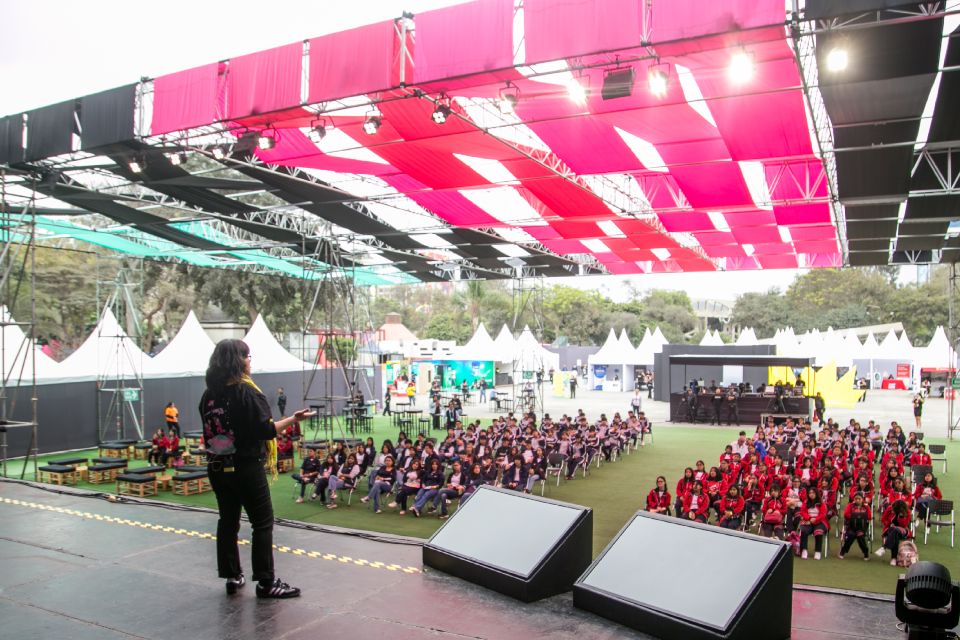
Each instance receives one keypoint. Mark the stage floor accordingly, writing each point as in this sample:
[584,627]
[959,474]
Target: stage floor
[81,568]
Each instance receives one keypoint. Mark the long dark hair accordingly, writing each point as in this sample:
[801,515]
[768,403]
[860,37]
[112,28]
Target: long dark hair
[227,363]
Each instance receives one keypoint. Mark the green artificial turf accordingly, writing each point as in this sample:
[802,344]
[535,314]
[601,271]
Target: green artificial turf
[614,491]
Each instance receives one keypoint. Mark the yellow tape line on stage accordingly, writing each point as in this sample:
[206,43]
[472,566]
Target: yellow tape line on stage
[207,536]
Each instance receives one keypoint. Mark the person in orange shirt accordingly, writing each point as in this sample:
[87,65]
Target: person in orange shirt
[172,416]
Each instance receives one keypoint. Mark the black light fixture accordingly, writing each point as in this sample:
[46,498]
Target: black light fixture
[267,139]
[928,602]
[219,151]
[318,129]
[136,164]
[617,83]
[177,158]
[442,110]
[372,124]
[509,97]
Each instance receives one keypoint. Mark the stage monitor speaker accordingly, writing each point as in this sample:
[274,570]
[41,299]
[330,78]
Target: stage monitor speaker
[617,83]
[518,544]
[677,579]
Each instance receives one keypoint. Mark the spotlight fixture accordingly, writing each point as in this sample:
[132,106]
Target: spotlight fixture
[219,151]
[372,124]
[177,158]
[136,165]
[509,97]
[265,141]
[657,75]
[318,129]
[927,602]
[576,91]
[741,67]
[441,112]
[837,59]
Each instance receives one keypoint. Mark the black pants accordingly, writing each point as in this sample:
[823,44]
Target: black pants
[818,531]
[733,413]
[175,426]
[848,540]
[246,487]
[283,408]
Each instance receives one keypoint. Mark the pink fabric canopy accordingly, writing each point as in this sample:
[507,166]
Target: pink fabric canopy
[264,81]
[336,69]
[187,98]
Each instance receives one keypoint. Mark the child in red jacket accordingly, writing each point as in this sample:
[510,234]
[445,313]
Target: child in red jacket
[813,520]
[773,514]
[926,492]
[658,500]
[730,508]
[753,494]
[696,505]
[856,523]
[684,486]
[920,456]
[896,527]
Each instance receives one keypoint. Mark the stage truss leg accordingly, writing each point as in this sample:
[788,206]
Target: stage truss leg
[528,294]
[18,338]
[953,339]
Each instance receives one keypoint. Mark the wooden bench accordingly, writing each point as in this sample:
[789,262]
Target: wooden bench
[101,473]
[188,484]
[151,471]
[285,465]
[68,462]
[141,450]
[58,474]
[136,484]
[114,450]
[192,438]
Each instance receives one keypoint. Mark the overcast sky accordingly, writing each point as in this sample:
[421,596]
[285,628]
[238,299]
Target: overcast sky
[60,49]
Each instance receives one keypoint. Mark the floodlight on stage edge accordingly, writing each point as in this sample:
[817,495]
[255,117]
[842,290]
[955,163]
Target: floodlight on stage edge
[267,139]
[372,124]
[219,151]
[177,158]
[576,91]
[657,75]
[509,97]
[136,164]
[741,67]
[837,59]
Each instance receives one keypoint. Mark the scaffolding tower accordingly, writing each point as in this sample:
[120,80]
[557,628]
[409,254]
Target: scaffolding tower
[336,318]
[120,401]
[18,339]
[953,340]
[528,293]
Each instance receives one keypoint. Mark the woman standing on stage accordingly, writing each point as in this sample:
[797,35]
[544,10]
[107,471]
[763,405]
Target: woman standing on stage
[917,408]
[236,427]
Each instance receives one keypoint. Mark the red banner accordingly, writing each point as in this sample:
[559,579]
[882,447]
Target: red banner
[903,370]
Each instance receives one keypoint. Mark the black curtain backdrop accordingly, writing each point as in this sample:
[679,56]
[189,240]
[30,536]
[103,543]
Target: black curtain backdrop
[49,130]
[107,117]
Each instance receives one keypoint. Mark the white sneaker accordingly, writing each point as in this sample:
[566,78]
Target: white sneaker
[803,554]
[299,500]
[816,555]
[880,551]
[392,505]
[893,562]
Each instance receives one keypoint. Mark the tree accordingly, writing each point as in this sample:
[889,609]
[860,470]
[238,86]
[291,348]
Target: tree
[765,312]
[574,313]
[243,294]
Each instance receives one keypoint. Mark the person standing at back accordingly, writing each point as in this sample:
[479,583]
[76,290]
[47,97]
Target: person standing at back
[281,402]
[172,417]
[236,427]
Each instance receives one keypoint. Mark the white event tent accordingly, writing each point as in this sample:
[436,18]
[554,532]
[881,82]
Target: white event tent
[480,347]
[530,355]
[504,346]
[266,354]
[15,351]
[187,354]
[107,352]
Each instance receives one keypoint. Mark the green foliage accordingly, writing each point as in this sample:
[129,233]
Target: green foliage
[340,349]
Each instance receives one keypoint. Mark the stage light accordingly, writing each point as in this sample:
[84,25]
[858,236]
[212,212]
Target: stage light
[265,141]
[318,130]
[577,92]
[136,165]
[441,113]
[617,83]
[657,80]
[509,97]
[927,602]
[372,124]
[177,159]
[741,67]
[219,151]
[837,59]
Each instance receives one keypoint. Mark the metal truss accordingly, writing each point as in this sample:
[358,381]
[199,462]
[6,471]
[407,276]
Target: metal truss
[944,164]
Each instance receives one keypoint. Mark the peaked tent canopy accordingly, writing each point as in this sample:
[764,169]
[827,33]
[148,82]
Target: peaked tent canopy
[188,354]
[107,352]
[480,347]
[266,354]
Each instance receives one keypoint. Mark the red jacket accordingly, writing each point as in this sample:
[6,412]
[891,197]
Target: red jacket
[703,505]
[821,516]
[714,487]
[920,458]
[893,496]
[774,504]
[933,493]
[173,443]
[684,486]
[658,501]
[888,520]
[735,506]
[898,458]
[853,513]
[812,480]
[754,495]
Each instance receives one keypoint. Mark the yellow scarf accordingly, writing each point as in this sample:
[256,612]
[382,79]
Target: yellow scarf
[272,443]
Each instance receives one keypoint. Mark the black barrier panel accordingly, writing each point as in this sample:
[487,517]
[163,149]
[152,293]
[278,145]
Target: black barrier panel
[643,579]
[11,139]
[548,545]
[107,117]
[50,130]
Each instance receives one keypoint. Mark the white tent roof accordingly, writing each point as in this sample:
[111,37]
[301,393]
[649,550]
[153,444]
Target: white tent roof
[504,345]
[108,351]
[658,340]
[18,363]
[747,338]
[480,347]
[624,341]
[188,354]
[268,355]
[645,350]
[530,355]
[936,355]
[711,339]
[610,353]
